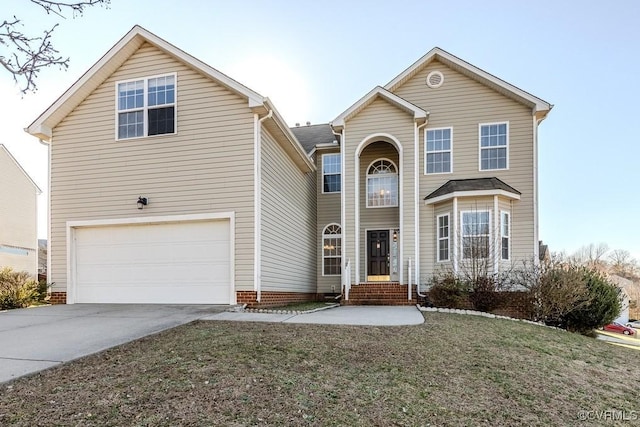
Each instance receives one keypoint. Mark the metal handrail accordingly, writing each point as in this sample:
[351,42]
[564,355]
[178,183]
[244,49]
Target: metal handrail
[346,280]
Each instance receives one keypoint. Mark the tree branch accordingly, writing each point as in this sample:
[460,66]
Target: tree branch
[25,56]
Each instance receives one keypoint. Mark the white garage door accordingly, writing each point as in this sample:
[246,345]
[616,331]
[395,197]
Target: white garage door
[167,263]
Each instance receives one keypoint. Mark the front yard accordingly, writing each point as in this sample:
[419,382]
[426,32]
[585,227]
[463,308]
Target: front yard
[452,370]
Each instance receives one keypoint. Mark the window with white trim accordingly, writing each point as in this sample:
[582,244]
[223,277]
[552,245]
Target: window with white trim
[443,237]
[382,184]
[437,157]
[146,107]
[332,250]
[494,146]
[505,233]
[331,173]
[476,234]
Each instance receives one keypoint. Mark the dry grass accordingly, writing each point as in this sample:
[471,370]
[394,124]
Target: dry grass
[453,370]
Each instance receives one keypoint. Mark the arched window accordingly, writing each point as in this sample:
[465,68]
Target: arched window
[382,184]
[331,250]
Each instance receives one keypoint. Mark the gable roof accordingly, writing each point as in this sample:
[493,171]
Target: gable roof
[472,187]
[380,92]
[119,53]
[312,135]
[110,62]
[539,106]
[20,168]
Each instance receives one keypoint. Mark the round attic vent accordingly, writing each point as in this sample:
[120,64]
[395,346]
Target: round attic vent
[435,79]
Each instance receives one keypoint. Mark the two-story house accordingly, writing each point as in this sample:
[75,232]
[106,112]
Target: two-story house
[173,183]
[18,216]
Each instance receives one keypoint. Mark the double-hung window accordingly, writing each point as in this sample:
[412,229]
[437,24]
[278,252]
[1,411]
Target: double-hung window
[331,250]
[505,233]
[443,237]
[494,146]
[331,173]
[146,107]
[475,234]
[438,150]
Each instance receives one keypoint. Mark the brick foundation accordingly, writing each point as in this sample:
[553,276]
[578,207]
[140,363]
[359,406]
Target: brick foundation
[274,299]
[512,303]
[375,293]
[58,298]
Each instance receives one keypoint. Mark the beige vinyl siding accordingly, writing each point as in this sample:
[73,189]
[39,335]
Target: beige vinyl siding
[18,223]
[288,222]
[206,167]
[463,103]
[380,117]
[328,209]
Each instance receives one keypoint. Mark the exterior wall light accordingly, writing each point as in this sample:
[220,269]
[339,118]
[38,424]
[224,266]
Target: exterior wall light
[142,202]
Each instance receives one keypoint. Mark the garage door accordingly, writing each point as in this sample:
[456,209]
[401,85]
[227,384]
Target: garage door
[167,263]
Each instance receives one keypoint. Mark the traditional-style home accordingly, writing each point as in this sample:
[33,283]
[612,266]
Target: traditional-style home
[173,183]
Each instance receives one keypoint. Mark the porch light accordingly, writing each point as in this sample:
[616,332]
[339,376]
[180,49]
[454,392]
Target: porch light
[142,202]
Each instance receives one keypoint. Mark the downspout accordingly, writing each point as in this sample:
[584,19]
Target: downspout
[257,188]
[343,264]
[536,231]
[48,144]
[417,207]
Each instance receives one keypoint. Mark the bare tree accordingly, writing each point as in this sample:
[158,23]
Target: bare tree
[592,256]
[623,264]
[23,56]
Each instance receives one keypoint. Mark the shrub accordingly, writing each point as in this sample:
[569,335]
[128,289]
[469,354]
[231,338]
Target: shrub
[600,306]
[448,291]
[484,295]
[17,289]
[557,290]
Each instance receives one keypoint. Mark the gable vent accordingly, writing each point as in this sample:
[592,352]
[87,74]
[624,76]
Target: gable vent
[435,79]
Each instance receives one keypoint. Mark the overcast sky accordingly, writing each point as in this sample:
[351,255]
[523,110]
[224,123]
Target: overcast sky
[315,58]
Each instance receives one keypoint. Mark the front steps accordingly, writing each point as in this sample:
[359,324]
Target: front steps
[376,293]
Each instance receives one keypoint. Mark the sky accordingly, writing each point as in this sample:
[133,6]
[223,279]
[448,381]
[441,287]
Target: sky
[316,58]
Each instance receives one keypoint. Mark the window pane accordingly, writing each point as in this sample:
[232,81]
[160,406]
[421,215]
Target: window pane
[130,95]
[161,120]
[382,190]
[505,248]
[130,125]
[331,183]
[332,267]
[443,250]
[161,91]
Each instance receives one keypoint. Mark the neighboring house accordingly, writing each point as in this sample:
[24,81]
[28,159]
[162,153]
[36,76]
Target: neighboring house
[626,287]
[42,257]
[173,183]
[18,216]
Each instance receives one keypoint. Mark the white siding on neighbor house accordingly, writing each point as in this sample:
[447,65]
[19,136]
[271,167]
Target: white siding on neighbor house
[328,210]
[18,213]
[206,167]
[462,104]
[288,222]
[381,117]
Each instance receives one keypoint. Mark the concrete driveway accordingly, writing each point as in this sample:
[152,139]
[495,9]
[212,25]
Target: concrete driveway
[33,339]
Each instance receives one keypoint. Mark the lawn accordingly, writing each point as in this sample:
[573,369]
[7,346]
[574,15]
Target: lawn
[452,370]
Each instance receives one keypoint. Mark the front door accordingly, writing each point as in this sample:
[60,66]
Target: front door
[378,256]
